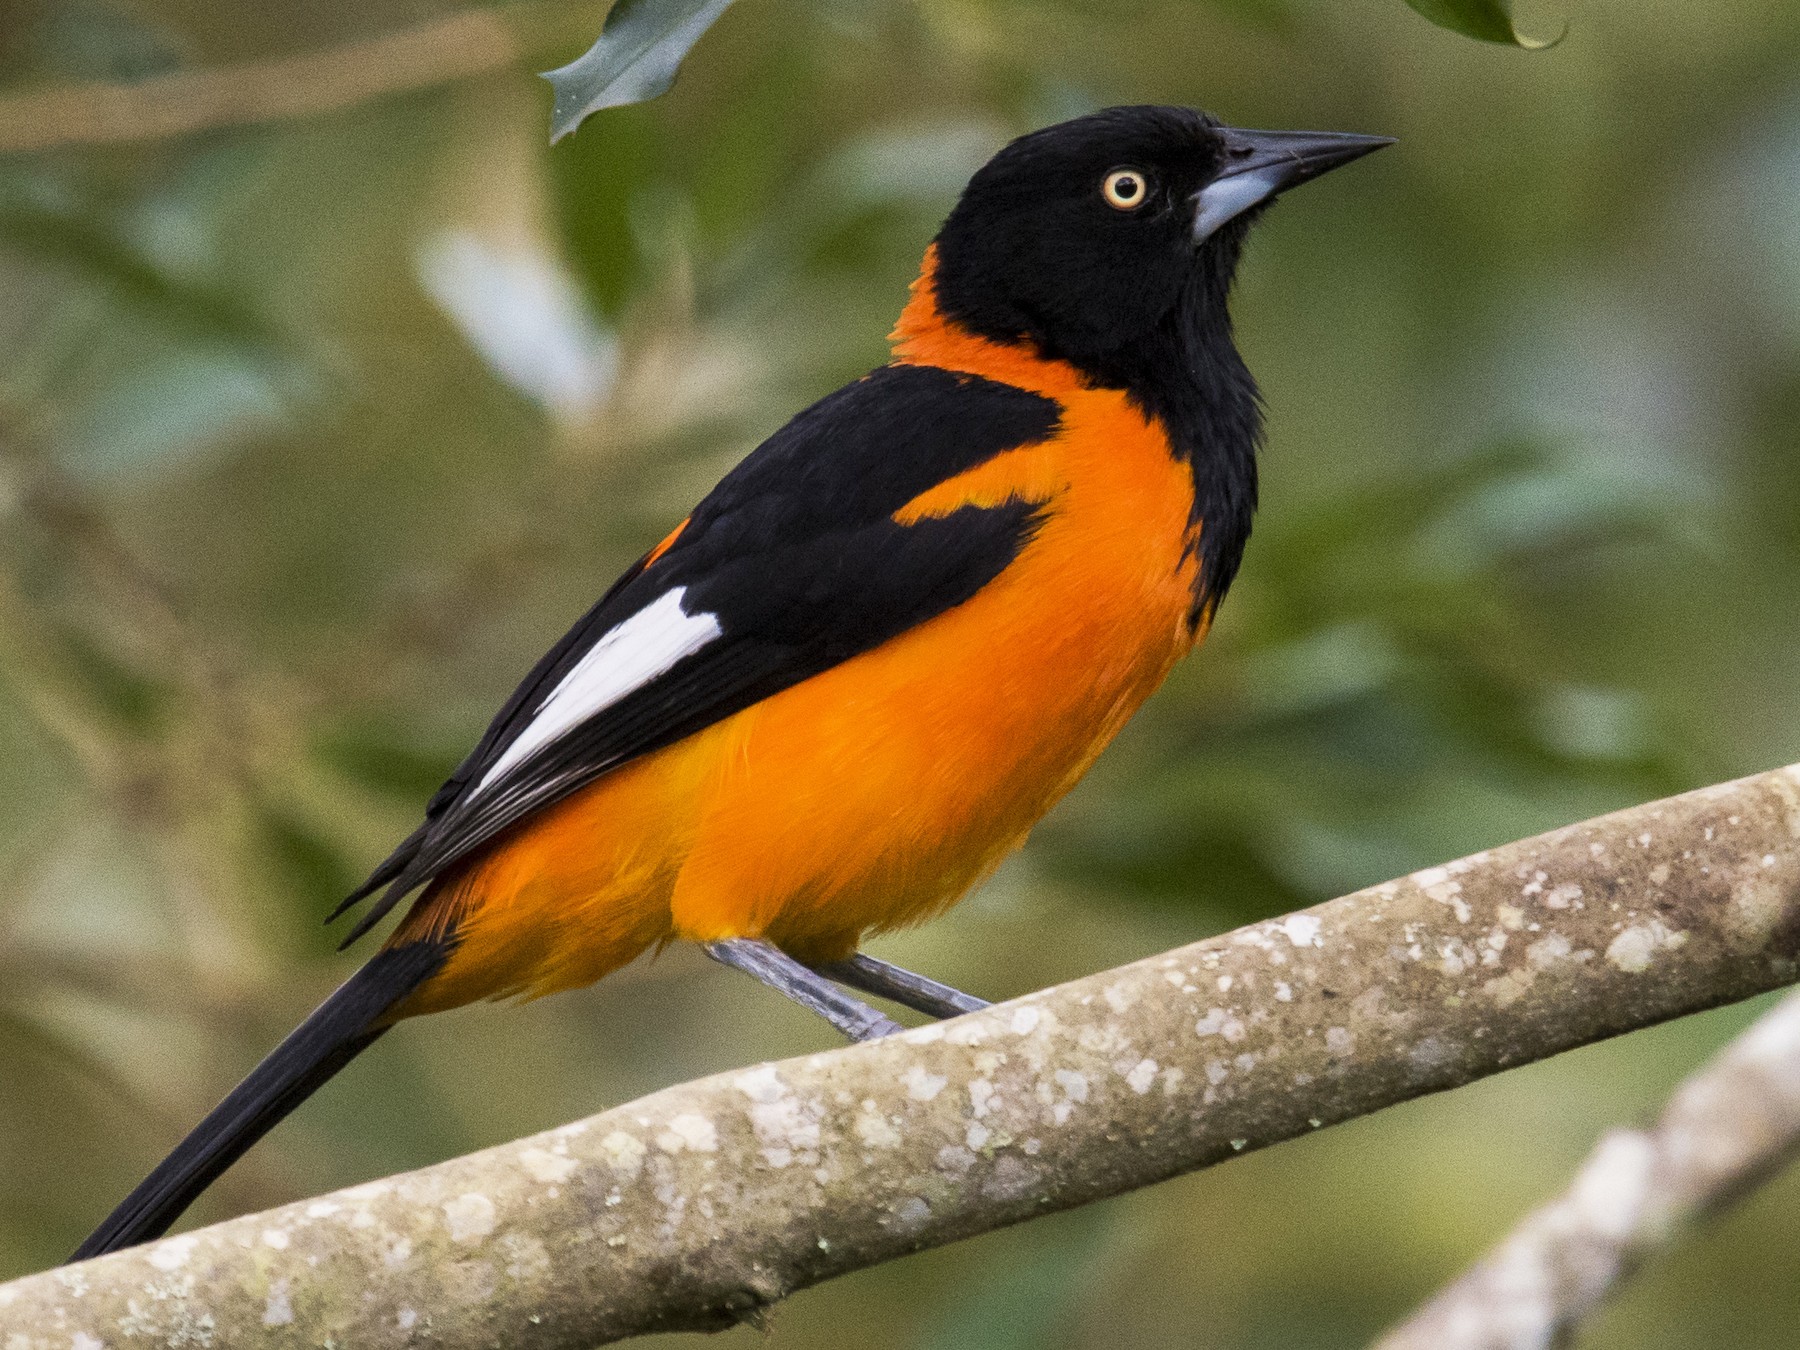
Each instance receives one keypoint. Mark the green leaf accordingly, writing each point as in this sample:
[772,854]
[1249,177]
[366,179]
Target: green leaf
[1486,20]
[641,46]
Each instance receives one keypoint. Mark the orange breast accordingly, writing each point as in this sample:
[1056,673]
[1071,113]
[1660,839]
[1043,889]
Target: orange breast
[875,794]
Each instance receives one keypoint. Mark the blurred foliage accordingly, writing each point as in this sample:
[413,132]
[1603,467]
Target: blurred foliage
[312,435]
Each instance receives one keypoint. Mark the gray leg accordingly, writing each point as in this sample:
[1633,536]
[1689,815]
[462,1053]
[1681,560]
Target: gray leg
[889,981]
[775,968]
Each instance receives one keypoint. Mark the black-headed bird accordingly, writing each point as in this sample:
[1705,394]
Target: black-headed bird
[853,679]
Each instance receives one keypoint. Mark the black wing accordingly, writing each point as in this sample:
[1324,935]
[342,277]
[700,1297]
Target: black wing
[792,564]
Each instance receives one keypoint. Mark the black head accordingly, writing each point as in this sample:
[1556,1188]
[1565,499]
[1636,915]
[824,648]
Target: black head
[1083,237]
[1110,242]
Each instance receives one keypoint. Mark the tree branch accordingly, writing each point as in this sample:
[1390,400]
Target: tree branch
[1727,1127]
[707,1202]
[465,44]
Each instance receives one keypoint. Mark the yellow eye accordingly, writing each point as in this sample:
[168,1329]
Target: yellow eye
[1127,189]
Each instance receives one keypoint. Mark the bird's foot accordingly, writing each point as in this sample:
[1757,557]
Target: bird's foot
[764,961]
[886,980]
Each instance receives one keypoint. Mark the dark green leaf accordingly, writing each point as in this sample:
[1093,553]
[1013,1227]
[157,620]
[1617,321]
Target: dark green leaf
[1487,20]
[639,50]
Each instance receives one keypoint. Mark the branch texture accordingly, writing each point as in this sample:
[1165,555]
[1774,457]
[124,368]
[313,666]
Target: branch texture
[259,91]
[1729,1126]
[705,1203]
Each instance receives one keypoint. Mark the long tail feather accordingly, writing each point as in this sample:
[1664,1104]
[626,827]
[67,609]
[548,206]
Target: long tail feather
[342,1027]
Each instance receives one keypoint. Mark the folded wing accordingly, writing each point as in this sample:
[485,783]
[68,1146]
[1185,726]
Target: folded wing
[793,564]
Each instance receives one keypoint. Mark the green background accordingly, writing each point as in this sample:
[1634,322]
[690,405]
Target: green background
[313,434]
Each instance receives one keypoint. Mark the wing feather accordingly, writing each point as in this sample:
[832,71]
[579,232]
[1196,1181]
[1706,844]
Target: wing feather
[793,564]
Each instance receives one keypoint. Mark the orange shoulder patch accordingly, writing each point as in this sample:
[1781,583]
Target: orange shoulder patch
[668,542]
[1027,474]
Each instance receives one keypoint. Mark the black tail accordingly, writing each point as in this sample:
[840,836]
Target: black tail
[339,1029]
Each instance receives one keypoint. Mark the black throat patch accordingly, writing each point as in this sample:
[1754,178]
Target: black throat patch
[1187,374]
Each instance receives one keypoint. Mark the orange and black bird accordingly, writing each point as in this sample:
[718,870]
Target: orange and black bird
[848,685]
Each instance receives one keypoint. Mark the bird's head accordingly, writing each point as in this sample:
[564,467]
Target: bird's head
[1085,237]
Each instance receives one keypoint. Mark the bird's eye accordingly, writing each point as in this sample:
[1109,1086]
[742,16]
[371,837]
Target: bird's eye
[1126,189]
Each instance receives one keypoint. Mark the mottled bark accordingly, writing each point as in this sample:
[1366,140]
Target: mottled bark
[707,1202]
[1726,1128]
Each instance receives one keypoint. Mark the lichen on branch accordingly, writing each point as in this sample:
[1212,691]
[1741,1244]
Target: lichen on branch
[704,1203]
[1732,1124]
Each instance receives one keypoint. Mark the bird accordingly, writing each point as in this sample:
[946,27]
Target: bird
[842,690]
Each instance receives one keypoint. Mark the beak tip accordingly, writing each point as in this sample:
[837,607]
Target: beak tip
[1364,145]
[1261,164]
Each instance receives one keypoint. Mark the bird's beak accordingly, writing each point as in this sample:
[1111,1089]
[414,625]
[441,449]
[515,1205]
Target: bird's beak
[1259,164]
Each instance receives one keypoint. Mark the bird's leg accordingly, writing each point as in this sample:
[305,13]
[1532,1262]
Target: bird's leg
[885,980]
[767,962]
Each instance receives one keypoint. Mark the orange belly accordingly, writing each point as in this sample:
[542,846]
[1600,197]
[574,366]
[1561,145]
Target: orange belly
[877,793]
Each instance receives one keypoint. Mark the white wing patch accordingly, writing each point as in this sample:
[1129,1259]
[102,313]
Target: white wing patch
[626,657]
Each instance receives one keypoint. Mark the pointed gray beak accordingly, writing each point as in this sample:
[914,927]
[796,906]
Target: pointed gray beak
[1259,164]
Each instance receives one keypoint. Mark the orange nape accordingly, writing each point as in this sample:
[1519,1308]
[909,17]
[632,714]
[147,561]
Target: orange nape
[875,794]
